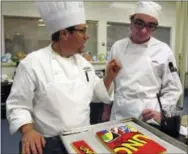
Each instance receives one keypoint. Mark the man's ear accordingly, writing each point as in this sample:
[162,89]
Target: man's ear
[64,34]
[131,25]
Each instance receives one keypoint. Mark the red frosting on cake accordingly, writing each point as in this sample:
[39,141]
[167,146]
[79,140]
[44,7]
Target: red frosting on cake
[129,142]
[82,147]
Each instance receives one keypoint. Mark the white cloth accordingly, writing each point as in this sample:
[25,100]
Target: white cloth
[60,15]
[183,131]
[53,92]
[149,8]
[145,71]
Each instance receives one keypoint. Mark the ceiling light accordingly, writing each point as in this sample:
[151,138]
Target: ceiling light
[40,20]
[41,25]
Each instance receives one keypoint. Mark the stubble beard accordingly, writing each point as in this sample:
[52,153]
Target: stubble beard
[80,51]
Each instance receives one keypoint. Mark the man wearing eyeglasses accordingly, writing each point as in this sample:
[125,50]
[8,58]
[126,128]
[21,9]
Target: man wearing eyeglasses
[54,86]
[148,68]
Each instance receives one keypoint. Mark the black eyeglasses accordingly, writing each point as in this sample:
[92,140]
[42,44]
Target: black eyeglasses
[140,24]
[84,31]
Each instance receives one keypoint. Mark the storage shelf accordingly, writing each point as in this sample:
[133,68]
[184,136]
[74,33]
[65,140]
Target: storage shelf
[98,62]
[8,64]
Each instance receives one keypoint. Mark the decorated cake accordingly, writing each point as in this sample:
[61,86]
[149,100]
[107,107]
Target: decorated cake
[127,140]
[81,147]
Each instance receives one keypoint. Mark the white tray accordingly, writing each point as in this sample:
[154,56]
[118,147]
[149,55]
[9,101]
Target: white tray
[88,134]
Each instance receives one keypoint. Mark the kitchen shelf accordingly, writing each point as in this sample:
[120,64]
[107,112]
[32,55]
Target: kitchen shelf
[8,64]
[98,62]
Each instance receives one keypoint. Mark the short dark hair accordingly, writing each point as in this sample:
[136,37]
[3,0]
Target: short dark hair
[132,17]
[55,36]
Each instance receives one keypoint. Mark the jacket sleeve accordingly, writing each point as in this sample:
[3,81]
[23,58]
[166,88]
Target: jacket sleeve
[19,104]
[100,92]
[111,55]
[171,88]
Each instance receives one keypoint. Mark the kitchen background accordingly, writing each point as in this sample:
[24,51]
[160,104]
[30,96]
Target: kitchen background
[22,31]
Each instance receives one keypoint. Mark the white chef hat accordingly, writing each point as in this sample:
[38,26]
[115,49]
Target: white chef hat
[149,8]
[60,15]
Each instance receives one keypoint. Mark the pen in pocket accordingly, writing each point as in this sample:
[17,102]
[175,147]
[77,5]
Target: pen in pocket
[87,77]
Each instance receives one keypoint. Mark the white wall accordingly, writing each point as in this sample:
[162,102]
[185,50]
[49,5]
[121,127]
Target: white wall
[187,55]
[186,82]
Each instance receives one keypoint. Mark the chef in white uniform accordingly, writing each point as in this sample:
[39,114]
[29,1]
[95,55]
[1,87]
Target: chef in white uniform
[148,67]
[54,86]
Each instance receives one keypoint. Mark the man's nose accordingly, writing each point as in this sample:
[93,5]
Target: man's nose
[144,30]
[86,37]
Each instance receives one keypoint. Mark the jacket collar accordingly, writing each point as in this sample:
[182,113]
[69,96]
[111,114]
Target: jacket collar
[151,42]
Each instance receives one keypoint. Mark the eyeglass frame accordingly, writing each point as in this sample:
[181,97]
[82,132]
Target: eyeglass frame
[147,25]
[84,31]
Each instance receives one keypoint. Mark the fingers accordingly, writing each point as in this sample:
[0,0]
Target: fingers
[114,65]
[23,149]
[111,64]
[43,141]
[33,147]
[151,114]
[115,62]
[39,146]
[111,61]
[147,111]
[118,63]
[147,114]
[147,117]
[26,148]
[116,69]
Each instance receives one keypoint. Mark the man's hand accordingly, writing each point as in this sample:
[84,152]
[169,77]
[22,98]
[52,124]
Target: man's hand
[32,141]
[105,116]
[149,114]
[106,112]
[112,70]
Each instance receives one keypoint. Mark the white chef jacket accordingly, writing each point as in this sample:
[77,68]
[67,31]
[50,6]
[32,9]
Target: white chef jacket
[53,92]
[145,72]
